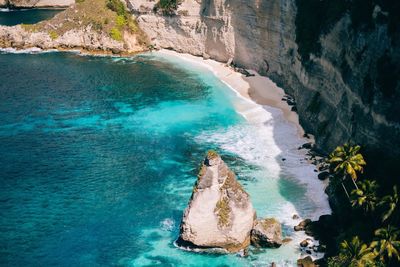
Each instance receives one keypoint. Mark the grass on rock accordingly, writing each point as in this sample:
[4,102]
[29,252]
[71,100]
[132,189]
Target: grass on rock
[108,16]
[223,210]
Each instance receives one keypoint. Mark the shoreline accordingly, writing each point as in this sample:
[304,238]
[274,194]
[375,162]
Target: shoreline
[250,88]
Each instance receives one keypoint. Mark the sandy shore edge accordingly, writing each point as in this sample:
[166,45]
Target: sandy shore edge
[258,89]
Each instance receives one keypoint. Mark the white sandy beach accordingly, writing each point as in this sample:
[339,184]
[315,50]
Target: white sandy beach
[259,89]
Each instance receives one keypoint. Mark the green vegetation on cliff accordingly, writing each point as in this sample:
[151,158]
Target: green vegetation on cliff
[367,220]
[223,211]
[167,7]
[104,16]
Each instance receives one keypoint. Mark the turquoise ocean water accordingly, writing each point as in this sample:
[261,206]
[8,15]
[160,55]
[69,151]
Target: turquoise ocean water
[28,16]
[99,155]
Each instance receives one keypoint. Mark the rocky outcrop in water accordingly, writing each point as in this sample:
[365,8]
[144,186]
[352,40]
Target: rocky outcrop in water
[348,89]
[220,214]
[266,233]
[36,3]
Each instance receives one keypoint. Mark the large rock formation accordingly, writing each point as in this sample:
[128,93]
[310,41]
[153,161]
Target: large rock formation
[348,89]
[36,3]
[220,214]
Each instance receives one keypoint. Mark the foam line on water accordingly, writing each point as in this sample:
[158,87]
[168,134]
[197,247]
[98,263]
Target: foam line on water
[33,50]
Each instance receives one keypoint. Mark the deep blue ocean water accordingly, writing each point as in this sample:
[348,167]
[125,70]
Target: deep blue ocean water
[26,16]
[99,155]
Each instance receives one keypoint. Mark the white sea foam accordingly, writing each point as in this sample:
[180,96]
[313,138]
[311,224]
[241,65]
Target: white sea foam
[33,50]
[13,10]
[168,224]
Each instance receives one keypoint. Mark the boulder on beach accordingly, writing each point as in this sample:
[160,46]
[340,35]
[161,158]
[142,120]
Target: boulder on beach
[302,225]
[323,175]
[220,214]
[266,233]
[304,243]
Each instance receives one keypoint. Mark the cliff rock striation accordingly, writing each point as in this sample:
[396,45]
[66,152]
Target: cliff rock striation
[220,214]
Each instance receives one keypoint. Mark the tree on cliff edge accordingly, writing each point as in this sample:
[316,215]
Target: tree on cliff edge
[346,161]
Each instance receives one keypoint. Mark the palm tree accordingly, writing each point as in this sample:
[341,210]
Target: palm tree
[391,202]
[365,196]
[387,243]
[347,161]
[355,253]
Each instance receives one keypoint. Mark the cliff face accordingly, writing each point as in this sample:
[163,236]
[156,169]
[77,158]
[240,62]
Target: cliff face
[348,90]
[36,3]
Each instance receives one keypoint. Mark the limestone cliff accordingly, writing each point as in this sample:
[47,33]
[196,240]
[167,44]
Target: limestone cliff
[220,214]
[36,3]
[348,89]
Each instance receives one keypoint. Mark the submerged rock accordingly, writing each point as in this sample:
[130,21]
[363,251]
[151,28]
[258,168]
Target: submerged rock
[220,214]
[266,233]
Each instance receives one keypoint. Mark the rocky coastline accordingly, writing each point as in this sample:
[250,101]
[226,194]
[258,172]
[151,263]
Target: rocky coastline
[219,34]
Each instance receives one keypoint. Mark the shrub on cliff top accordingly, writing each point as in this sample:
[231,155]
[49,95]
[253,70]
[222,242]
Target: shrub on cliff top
[118,7]
[30,27]
[53,35]
[121,21]
[167,7]
[116,34]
